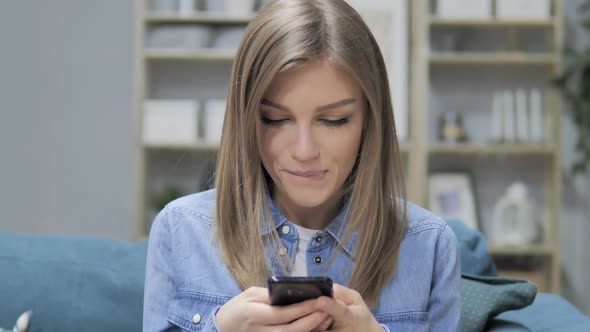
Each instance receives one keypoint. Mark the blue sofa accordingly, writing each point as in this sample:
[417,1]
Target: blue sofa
[89,284]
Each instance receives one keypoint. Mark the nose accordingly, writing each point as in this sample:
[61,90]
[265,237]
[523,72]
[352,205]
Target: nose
[305,147]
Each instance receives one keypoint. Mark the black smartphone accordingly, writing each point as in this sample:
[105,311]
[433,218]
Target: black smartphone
[289,290]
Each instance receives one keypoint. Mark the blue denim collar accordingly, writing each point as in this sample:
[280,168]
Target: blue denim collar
[335,228]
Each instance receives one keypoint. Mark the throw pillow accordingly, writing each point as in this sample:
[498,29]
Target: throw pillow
[484,297]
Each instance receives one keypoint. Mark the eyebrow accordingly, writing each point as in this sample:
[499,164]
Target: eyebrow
[337,104]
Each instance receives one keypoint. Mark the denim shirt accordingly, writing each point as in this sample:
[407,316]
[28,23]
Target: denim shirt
[187,282]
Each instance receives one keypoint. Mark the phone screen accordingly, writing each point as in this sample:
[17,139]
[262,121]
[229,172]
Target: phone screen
[289,290]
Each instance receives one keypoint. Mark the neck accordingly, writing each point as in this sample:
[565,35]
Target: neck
[318,217]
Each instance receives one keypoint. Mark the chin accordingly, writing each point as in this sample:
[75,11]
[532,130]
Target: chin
[308,198]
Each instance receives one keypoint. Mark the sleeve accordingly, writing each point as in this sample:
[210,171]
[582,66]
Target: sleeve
[159,279]
[444,305]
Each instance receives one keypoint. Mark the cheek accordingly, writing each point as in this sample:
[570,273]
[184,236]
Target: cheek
[346,148]
[341,150]
[270,143]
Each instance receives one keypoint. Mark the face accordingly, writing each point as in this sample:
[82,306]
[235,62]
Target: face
[309,133]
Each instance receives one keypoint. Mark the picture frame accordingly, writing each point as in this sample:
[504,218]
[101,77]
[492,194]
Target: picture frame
[451,195]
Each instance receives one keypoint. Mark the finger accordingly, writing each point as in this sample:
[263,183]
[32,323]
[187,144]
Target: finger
[335,308]
[347,295]
[306,323]
[273,315]
[325,325]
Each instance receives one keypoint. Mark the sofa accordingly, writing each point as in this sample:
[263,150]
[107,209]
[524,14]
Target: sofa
[93,284]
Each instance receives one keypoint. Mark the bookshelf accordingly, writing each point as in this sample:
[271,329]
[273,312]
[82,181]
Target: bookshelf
[430,67]
[421,153]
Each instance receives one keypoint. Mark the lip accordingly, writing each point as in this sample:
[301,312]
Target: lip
[308,177]
[308,173]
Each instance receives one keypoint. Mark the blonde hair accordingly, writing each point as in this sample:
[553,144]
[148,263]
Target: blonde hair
[286,34]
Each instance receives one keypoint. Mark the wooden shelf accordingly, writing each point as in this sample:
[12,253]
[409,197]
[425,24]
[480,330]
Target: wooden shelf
[499,58]
[486,23]
[529,250]
[204,54]
[198,146]
[197,17]
[512,148]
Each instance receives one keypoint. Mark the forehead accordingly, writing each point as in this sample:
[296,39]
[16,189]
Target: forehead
[319,79]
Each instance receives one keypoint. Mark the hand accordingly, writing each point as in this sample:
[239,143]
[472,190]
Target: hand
[349,311]
[251,311]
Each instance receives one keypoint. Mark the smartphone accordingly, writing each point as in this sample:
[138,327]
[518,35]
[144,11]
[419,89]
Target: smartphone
[289,290]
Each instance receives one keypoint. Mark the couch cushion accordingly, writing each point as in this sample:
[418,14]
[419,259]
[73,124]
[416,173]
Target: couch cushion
[475,257]
[72,284]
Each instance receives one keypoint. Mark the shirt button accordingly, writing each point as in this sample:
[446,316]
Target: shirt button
[318,239]
[285,229]
[196,318]
[318,260]
[283,251]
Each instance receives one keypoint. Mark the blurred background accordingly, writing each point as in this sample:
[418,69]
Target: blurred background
[110,109]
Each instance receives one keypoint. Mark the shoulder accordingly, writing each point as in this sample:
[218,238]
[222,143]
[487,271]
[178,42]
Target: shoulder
[421,219]
[427,224]
[191,210]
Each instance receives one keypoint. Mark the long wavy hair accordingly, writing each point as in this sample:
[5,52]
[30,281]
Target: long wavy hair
[284,35]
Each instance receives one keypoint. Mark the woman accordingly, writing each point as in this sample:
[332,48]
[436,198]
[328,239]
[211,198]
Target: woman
[308,182]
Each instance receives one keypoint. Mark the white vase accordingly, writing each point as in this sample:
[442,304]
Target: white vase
[514,221]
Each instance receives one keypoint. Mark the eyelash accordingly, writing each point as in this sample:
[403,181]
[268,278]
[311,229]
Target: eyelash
[330,123]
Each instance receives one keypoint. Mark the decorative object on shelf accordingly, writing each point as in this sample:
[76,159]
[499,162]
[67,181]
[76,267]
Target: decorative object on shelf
[466,9]
[497,134]
[514,221]
[167,6]
[231,7]
[574,83]
[170,122]
[228,37]
[536,114]
[450,128]
[389,23]
[214,5]
[213,115]
[452,197]
[523,9]
[508,118]
[447,41]
[174,36]
[186,7]
[522,116]
[239,7]
[516,117]
[165,196]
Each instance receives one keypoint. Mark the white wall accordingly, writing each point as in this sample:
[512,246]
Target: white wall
[66,79]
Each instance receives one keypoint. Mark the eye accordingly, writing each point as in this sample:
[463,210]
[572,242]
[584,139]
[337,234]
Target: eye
[272,122]
[336,123]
